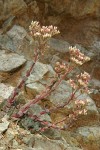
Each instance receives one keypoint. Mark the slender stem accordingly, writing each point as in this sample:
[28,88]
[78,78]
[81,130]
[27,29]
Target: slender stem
[42,95]
[58,107]
[16,91]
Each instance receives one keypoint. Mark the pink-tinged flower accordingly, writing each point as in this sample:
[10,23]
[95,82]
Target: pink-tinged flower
[72,84]
[80,112]
[80,102]
[77,57]
[84,111]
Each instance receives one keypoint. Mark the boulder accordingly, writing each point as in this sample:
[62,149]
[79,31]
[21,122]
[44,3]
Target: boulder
[89,137]
[5,90]
[19,41]
[40,77]
[13,39]
[61,95]
[10,61]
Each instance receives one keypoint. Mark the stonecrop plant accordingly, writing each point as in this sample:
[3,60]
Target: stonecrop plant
[41,35]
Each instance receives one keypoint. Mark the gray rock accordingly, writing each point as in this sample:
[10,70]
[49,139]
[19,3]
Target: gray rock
[28,122]
[42,75]
[59,45]
[4,125]
[42,143]
[55,59]
[88,53]
[91,106]
[35,87]
[16,34]
[96,46]
[10,61]
[18,40]
[61,94]
[38,72]
[6,43]
[7,24]
[5,90]
[89,136]
[36,109]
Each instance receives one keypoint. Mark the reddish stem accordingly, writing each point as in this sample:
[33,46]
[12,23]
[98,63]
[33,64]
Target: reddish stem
[42,95]
[16,91]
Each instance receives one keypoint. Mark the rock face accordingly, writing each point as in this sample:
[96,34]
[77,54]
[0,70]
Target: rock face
[79,21]
[72,8]
[5,90]
[10,62]
[11,8]
[18,138]
[89,137]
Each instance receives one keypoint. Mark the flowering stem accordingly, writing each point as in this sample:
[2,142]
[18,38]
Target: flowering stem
[41,96]
[16,91]
[58,107]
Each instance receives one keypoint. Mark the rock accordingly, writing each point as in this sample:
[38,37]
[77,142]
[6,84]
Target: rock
[95,85]
[72,19]
[4,125]
[59,45]
[28,123]
[55,59]
[10,61]
[19,41]
[75,8]
[96,46]
[10,134]
[53,134]
[19,138]
[61,95]
[15,143]
[7,24]
[36,109]
[89,137]
[16,34]
[42,74]
[5,90]
[35,88]
[85,51]
[43,143]
[38,72]
[9,8]
[57,48]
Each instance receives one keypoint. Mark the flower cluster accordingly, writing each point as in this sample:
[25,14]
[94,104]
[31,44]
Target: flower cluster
[81,82]
[60,68]
[77,57]
[79,108]
[41,35]
[83,79]
[73,84]
[44,32]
